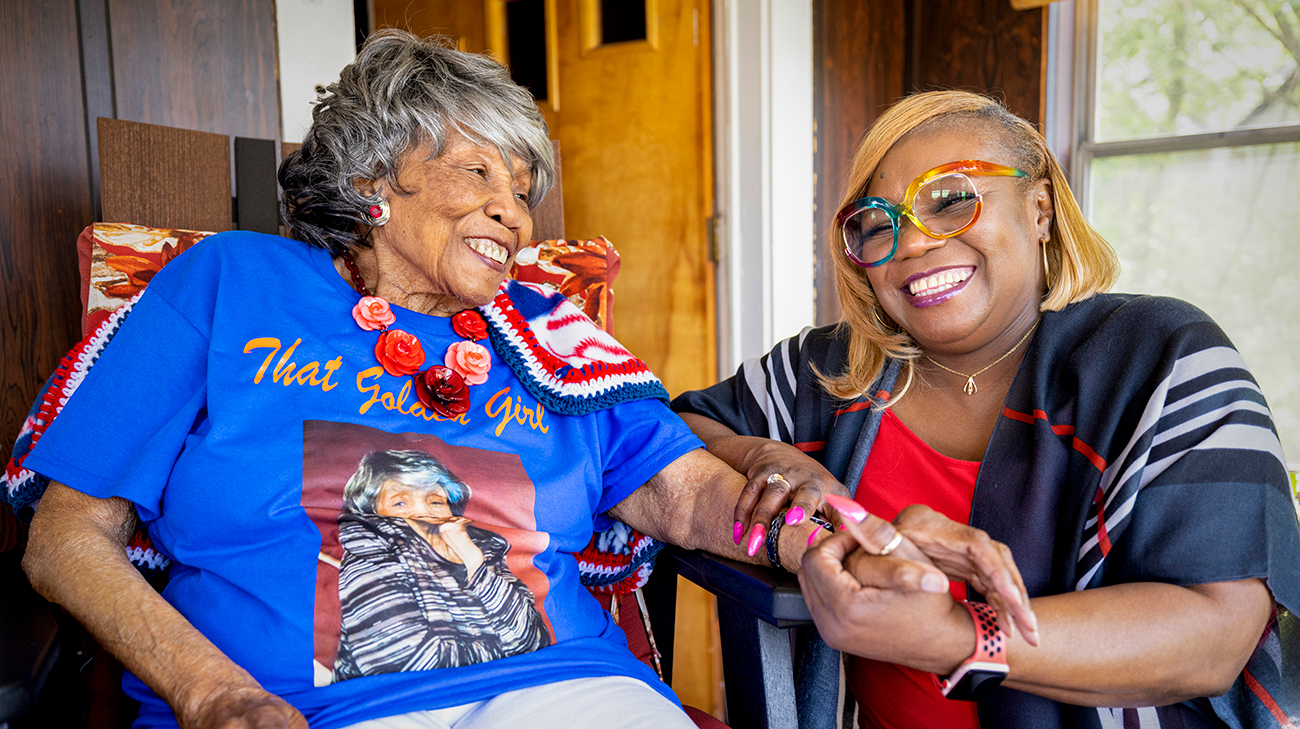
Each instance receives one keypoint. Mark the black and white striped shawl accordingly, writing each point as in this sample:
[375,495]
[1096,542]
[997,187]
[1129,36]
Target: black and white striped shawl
[1133,446]
[406,608]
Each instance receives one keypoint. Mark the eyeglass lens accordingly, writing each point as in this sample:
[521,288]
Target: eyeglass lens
[943,206]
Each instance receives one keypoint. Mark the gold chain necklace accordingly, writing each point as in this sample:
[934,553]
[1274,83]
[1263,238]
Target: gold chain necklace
[970,388]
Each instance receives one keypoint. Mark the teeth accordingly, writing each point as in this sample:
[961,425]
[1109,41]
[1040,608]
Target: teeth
[488,248]
[939,282]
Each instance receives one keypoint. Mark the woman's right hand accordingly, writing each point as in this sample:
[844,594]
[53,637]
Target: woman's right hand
[242,707]
[780,477]
[454,535]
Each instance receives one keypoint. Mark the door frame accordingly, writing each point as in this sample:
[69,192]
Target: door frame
[764,225]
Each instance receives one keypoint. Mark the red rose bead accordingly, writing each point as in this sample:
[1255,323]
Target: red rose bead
[442,390]
[399,353]
[469,324]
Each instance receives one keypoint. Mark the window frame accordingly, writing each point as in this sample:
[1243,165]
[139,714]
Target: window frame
[1071,106]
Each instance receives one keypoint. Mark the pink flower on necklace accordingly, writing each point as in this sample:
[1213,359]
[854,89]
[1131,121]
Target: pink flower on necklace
[470,360]
[372,313]
[442,389]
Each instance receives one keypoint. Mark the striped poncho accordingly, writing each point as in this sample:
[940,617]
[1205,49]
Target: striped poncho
[1134,446]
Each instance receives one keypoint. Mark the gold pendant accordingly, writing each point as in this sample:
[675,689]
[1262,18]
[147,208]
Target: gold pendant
[970,388]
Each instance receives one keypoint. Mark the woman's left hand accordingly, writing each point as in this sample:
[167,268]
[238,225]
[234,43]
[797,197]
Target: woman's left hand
[969,555]
[454,534]
[873,606]
[962,552]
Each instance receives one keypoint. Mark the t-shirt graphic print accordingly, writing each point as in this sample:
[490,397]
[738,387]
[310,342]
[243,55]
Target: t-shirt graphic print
[427,556]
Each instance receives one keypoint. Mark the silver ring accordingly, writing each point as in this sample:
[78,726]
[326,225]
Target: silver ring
[776,477]
[893,544]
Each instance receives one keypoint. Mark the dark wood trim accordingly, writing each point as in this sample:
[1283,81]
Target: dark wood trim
[97,87]
[256,197]
[548,218]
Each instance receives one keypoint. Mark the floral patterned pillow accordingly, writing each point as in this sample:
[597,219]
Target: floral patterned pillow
[582,270]
[118,261]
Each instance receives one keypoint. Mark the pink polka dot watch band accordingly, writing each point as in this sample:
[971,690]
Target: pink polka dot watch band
[985,669]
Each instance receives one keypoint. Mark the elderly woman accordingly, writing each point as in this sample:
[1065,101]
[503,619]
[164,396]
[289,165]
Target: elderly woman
[1116,444]
[391,316]
[420,586]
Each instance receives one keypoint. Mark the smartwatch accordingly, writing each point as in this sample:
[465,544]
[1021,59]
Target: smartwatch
[985,669]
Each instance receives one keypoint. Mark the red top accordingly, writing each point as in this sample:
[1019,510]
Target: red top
[902,470]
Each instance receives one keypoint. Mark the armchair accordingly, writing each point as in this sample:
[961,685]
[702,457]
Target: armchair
[125,257]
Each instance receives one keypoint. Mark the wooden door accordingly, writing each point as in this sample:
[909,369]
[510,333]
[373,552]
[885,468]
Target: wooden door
[634,122]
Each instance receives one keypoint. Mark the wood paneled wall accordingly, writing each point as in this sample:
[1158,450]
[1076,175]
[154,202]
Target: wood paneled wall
[199,64]
[870,54]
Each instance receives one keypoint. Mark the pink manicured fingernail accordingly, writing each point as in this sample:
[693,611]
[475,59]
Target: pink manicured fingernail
[930,582]
[813,536]
[794,516]
[756,538]
[737,532]
[847,507]
[842,527]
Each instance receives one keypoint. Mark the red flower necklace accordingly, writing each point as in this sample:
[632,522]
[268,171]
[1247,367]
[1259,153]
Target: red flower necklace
[444,388]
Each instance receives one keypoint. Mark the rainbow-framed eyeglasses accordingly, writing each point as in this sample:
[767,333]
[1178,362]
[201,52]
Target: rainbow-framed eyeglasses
[941,202]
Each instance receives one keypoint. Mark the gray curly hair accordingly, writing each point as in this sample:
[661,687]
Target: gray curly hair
[416,469]
[402,92]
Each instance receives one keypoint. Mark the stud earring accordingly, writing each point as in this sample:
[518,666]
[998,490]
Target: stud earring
[378,213]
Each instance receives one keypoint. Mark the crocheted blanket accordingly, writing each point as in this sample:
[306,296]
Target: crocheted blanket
[560,356]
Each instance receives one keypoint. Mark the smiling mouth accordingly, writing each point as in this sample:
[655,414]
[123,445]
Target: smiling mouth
[940,282]
[489,249]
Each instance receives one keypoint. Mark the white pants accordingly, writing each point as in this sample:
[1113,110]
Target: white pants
[607,702]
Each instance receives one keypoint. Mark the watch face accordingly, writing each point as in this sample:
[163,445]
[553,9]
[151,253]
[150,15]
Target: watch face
[973,680]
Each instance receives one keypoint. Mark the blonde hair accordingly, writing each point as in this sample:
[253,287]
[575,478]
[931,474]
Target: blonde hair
[1081,262]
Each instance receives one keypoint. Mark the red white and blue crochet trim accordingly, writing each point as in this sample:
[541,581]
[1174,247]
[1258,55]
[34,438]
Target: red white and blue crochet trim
[618,560]
[23,487]
[563,359]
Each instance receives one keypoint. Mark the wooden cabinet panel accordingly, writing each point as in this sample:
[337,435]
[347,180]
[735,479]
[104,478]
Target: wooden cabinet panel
[208,65]
[860,50]
[44,198]
[980,45]
[870,54]
[197,64]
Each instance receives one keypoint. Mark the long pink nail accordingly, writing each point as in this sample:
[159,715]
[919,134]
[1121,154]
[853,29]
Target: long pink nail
[737,532]
[794,516]
[813,536]
[756,538]
[847,507]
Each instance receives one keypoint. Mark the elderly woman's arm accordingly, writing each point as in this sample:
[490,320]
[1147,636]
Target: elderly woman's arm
[691,503]
[76,557]
[1141,644]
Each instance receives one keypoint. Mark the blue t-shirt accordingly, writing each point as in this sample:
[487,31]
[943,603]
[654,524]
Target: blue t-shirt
[232,408]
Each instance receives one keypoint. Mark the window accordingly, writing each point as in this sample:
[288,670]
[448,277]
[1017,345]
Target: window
[526,36]
[1187,159]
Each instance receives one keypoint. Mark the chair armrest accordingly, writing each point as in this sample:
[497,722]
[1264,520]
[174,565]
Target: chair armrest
[29,639]
[772,595]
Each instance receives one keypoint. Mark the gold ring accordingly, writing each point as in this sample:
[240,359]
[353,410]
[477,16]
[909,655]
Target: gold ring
[893,544]
[776,477]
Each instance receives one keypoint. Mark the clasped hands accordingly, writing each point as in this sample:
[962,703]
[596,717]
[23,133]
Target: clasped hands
[896,607]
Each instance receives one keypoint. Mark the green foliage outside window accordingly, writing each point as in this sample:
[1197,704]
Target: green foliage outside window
[1217,227]
[1192,66]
